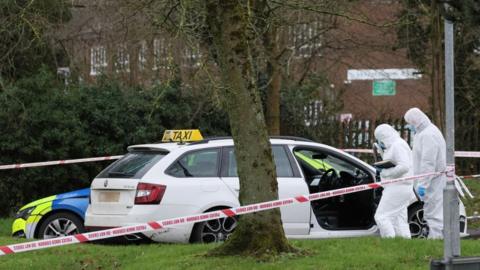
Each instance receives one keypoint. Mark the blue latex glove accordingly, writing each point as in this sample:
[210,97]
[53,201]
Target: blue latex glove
[421,191]
[412,128]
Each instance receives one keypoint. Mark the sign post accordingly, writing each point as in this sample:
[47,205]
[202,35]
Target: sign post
[451,222]
[450,199]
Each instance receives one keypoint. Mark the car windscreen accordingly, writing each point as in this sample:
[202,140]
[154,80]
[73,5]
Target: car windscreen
[133,165]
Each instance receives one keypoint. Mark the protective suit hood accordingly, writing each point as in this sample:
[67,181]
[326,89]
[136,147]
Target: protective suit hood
[417,118]
[386,134]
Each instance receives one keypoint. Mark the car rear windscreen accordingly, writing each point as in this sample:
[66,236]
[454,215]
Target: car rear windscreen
[132,165]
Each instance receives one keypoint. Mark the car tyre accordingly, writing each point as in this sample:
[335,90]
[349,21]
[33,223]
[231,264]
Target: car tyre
[418,225]
[213,231]
[60,224]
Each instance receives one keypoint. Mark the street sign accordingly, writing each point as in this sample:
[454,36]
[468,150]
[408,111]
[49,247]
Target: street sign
[384,88]
[384,74]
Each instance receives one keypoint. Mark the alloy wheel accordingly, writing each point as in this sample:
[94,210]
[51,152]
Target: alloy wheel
[418,225]
[60,227]
[218,230]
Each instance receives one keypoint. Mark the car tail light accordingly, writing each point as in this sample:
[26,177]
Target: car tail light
[149,193]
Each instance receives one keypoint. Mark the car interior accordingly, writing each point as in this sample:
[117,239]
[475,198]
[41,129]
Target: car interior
[325,171]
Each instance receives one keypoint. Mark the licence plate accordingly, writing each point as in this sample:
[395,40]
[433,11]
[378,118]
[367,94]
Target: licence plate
[109,196]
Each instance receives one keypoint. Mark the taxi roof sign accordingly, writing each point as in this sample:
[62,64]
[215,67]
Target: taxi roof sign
[182,135]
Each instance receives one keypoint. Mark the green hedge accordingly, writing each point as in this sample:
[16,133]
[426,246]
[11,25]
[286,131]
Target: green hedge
[42,120]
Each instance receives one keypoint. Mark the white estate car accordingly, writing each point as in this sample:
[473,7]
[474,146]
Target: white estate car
[167,180]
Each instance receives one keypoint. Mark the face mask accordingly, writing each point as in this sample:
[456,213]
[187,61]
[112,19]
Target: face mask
[382,145]
[411,128]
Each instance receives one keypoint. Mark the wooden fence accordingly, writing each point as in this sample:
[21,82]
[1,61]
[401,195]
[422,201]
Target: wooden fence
[360,134]
[467,139]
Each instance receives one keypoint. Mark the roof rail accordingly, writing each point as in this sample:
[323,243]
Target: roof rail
[206,140]
[293,138]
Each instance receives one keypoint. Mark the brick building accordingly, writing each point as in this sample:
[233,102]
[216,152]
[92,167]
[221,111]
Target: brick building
[371,48]
[353,54]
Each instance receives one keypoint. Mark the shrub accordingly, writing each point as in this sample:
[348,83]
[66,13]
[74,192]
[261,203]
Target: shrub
[40,120]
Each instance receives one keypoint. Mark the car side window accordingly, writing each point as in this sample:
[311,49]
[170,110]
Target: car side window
[203,163]
[231,164]
[282,163]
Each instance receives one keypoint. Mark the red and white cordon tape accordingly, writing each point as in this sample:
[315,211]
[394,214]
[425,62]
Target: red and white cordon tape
[230,212]
[355,150]
[471,154]
[470,176]
[83,160]
[56,162]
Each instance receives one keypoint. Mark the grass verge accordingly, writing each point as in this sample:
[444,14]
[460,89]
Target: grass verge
[473,205]
[356,253]
[352,253]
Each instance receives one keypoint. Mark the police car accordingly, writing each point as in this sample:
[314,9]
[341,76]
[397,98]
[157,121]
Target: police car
[53,216]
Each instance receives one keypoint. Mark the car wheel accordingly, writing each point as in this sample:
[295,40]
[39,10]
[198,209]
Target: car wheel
[60,224]
[418,225]
[212,231]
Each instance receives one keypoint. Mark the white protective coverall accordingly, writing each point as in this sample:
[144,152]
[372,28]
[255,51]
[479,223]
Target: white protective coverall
[429,155]
[391,216]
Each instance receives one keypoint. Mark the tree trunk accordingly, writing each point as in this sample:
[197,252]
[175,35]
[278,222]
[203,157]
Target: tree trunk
[231,36]
[274,82]
[438,92]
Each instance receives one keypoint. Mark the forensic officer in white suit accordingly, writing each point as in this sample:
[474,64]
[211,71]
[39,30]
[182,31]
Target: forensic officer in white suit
[391,216]
[429,155]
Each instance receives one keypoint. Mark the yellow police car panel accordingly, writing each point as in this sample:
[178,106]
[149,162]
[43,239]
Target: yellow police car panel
[38,202]
[315,163]
[28,216]
[18,227]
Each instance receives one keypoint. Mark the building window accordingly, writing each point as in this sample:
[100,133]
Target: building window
[312,112]
[192,56]
[98,60]
[160,54]
[142,56]
[306,38]
[122,59]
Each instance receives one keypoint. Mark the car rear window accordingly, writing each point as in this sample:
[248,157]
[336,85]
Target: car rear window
[132,165]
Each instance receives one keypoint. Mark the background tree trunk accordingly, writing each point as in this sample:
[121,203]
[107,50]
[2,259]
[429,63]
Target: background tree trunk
[274,82]
[438,92]
[231,36]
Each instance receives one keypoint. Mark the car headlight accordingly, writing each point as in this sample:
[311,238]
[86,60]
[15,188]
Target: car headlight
[24,213]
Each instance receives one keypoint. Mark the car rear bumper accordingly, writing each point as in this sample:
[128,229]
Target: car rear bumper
[177,234]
